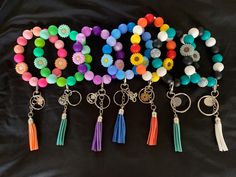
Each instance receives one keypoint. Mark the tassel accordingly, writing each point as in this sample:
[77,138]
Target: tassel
[33,140]
[119,129]
[62,130]
[219,135]
[177,137]
[153,131]
[97,138]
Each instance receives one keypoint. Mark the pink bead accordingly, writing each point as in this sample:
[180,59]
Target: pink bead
[53,39]
[89,75]
[80,38]
[119,64]
[18,49]
[19,58]
[97,80]
[62,53]
[118,47]
[59,44]
[21,41]
[86,31]
[33,81]
[36,31]
[57,72]
[106,79]
[42,82]
[105,34]
[27,34]
[26,76]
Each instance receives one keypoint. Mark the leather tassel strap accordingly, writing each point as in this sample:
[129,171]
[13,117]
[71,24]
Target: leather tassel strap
[33,140]
[119,128]
[153,131]
[219,135]
[97,137]
[177,136]
[62,130]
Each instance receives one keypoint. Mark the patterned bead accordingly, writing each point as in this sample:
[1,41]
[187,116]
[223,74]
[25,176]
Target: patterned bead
[64,31]
[186,50]
[155,53]
[196,56]
[40,62]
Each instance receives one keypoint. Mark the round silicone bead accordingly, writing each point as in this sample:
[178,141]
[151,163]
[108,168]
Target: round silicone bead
[36,31]
[171,33]
[39,42]
[157,63]
[27,34]
[52,30]
[129,74]
[86,31]
[123,28]
[97,80]
[171,54]
[138,30]
[206,35]
[79,76]
[112,70]
[70,81]
[158,22]
[18,58]
[211,81]
[89,75]
[62,53]
[96,30]
[217,58]
[120,74]
[210,42]
[59,44]
[73,35]
[155,53]
[82,68]
[33,81]
[105,34]
[21,41]
[185,80]
[51,79]
[189,70]
[141,69]
[44,34]
[61,82]
[45,72]
[194,32]
[171,45]
[38,52]
[155,77]
[26,76]
[218,67]
[88,58]
[118,46]
[149,17]
[77,47]
[106,79]
[161,71]
[164,27]
[146,36]
[42,82]
[188,39]
[147,76]
[106,49]
[119,64]
[135,39]
[203,82]
[142,22]
[130,26]
[116,33]
[162,36]
[18,49]
[57,72]
[53,39]
[81,38]
[111,41]
[195,78]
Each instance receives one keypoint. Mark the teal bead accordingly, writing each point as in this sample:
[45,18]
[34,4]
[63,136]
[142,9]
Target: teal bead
[217,58]
[188,39]
[206,35]
[73,35]
[88,66]
[171,33]
[38,52]
[71,81]
[185,80]
[211,81]
[194,45]
[195,78]
[52,79]
[157,63]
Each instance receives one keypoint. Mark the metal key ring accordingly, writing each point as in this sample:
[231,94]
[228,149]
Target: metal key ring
[173,99]
[74,92]
[215,103]
[104,107]
[126,96]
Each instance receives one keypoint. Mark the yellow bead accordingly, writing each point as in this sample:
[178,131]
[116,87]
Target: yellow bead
[168,63]
[164,27]
[135,39]
[136,59]
[155,77]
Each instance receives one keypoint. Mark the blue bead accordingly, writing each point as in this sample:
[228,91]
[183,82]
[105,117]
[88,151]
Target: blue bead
[116,33]
[211,81]
[130,26]
[147,53]
[112,70]
[217,58]
[171,33]
[106,49]
[206,35]
[195,78]
[129,74]
[120,75]
[134,70]
[148,44]
[188,39]
[146,36]
[157,63]
[123,28]
[184,80]
[111,41]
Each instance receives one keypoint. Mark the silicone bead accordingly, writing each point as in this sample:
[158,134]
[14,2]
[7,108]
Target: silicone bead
[18,49]
[217,58]
[33,81]
[45,72]
[138,30]
[135,39]
[194,45]
[134,70]
[188,39]
[120,54]
[189,70]
[155,53]
[147,53]
[130,26]
[206,35]
[21,41]
[157,43]
[186,50]
[77,47]
[96,30]
[78,58]
[120,74]
[52,30]
[60,63]
[105,34]
[97,80]
[149,17]
[211,81]
[64,31]
[155,77]
[196,56]
[195,78]
[42,82]
[107,49]
[147,76]
[38,52]
[73,35]
[215,49]
[161,71]
[145,61]
[51,79]
[171,54]
[168,64]
[79,76]
[39,42]
[116,33]
[57,72]
[106,60]
[111,41]
[185,80]
[61,82]
[86,49]
[162,36]
[218,67]
[70,81]
[146,36]
[36,31]
[26,76]
[171,33]
[44,34]
[86,31]
[88,58]
[89,75]
[106,79]
[136,59]
[123,28]
[21,68]
[112,70]
[203,82]
[62,53]
[142,22]
[82,68]
[129,74]
[40,62]
[81,38]
[171,45]
[59,44]
[135,48]
[157,63]
[119,64]
[158,22]
[27,34]
[53,39]
[164,27]
[194,32]
[187,60]
[218,75]
[18,58]
[210,42]
[141,69]
[148,44]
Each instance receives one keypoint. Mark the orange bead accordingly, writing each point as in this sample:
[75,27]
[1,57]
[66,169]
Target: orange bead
[61,63]
[158,22]
[171,45]
[142,22]
[18,49]
[141,69]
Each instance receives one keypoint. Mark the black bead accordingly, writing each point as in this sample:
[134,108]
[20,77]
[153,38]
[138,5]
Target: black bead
[179,33]
[215,49]
[187,60]
[177,82]
[196,65]
[167,78]
[201,29]
[157,43]
[218,75]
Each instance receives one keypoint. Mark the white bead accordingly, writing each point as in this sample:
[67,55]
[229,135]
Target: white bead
[147,76]
[162,36]
[189,70]
[194,32]
[182,39]
[218,67]
[161,71]
[203,82]
[138,30]
[210,42]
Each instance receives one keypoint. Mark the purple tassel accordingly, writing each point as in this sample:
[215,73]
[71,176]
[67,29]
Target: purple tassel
[97,138]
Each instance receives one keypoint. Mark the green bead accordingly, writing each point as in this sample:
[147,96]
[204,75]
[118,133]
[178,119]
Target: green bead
[44,34]
[188,39]
[88,58]
[52,79]
[86,50]
[88,66]
[39,42]
[184,80]
[64,31]
[211,81]
[40,62]
[217,58]
[38,52]
[195,78]
[71,81]
[73,35]
[45,72]
[157,63]
[206,35]
[61,82]
[52,29]
[79,76]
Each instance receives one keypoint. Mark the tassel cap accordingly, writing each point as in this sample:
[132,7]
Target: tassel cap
[154,114]
[121,111]
[99,119]
[176,120]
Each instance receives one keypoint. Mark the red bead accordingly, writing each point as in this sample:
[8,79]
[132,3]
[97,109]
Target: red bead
[135,48]
[171,54]
[150,18]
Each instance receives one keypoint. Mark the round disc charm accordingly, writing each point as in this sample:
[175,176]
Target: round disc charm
[209,101]
[146,95]
[176,102]
[37,102]
[91,98]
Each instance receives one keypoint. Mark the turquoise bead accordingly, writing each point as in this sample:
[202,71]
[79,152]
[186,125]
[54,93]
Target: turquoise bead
[188,39]
[52,79]
[116,33]
[44,34]
[38,52]
[157,63]
[194,45]
[120,75]
[70,81]
[73,35]
[217,58]
[206,35]
[171,33]
[148,44]
[195,78]
[184,80]
[211,81]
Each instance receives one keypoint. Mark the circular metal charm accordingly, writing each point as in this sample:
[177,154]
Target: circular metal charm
[91,98]
[80,98]
[176,101]
[104,98]
[62,100]
[116,96]
[209,101]
[37,102]
[146,95]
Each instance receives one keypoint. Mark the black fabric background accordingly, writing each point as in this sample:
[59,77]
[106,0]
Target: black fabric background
[134,159]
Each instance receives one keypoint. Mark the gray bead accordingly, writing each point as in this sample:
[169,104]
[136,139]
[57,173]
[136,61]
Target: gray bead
[196,56]
[155,53]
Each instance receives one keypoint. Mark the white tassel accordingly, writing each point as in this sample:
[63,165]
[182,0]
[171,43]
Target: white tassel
[219,135]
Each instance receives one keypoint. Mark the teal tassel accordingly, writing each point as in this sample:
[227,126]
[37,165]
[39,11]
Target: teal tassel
[177,137]
[62,130]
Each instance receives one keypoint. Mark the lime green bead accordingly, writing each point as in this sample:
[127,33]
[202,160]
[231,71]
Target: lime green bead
[73,35]
[71,81]
[52,29]
[79,76]
[45,72]
[38,52]
[61,82]
[88,58]
[39,42]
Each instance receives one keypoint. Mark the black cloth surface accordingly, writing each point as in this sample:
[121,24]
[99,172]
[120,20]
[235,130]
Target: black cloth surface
[200,158]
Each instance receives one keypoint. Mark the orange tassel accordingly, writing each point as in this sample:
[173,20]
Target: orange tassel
[33,140]
[153,131]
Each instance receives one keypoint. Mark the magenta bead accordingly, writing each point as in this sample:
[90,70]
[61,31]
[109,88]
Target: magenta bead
[82,68]
[27,34]
[59,44]
[118,46]
[97,80]
[80,38]
[42,82]
[21,41]
[53,39]
[89,75]
[18,58]
[86,31]
[106,79]
[33,81]
[26,76]
[105,34]
[62,53]
[57,72]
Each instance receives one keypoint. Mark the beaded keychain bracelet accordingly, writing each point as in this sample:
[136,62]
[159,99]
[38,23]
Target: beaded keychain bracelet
[147,94]
[210,101]
[55,76]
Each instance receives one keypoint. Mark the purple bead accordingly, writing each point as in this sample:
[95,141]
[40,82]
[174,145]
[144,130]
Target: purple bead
[97,80]
[86,31]
[120,54]
[82,68]
[105,34]
[97,30]
[77,47]
[80,38]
